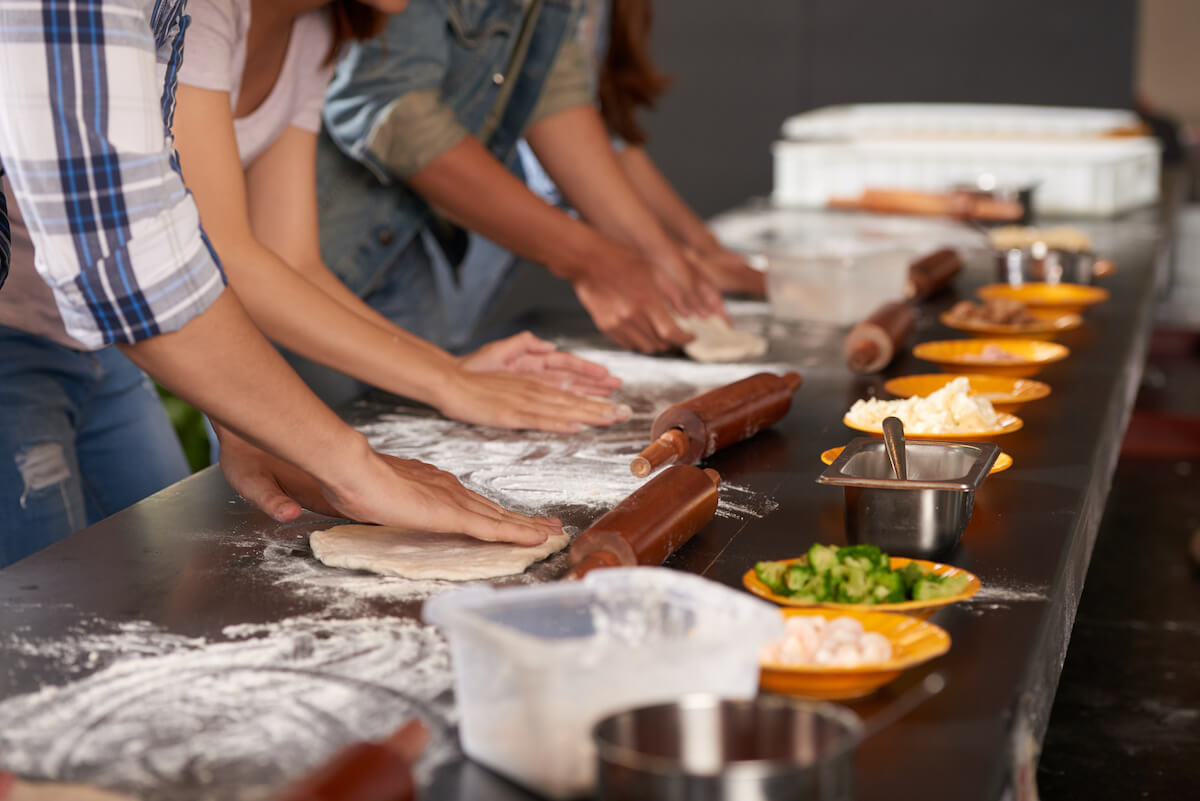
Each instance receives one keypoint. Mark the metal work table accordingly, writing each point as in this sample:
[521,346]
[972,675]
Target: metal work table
[188,563]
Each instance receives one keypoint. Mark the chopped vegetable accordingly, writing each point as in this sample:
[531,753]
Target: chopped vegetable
[771,574]
[855,574]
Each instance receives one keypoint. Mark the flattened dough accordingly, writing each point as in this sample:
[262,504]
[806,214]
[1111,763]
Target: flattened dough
[61,792]
[717,341]
[422,555]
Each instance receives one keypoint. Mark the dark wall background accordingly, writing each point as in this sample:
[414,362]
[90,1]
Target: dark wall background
[742,67]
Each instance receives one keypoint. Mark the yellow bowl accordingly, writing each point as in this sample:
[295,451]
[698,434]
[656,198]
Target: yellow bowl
[965,355]
[921,609]
[1006,394]
[1049,324]
[1008,423]
[1002,463]
[1062,298]
[913,641]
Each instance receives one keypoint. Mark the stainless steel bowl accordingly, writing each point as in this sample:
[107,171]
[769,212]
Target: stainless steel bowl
[1017,266]
[923,516]
[704,748]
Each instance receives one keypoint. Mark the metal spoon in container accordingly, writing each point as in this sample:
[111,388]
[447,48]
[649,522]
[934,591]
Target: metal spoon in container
[893,442]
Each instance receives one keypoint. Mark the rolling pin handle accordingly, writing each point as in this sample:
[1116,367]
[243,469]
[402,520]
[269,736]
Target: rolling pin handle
[670,446]
[714,475]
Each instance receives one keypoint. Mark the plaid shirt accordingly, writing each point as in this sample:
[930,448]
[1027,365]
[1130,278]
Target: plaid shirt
[87,95]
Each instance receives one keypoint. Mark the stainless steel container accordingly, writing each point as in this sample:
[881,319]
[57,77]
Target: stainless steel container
[923,516]
[703,748]
[1050,265]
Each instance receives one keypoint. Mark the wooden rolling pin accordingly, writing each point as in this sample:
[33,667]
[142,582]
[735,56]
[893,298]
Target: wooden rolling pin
[872,344]
[931,274]
[964,205]
[649,525]
[699,427]
[377,771]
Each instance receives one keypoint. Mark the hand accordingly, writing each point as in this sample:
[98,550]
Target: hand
[380,489]
[6,784]
[619,291]
[508,400]
[688,288]
[729,271]
[525,354]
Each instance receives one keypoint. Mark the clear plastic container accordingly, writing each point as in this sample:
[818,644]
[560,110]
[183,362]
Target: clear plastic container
[536,667]
[836,281]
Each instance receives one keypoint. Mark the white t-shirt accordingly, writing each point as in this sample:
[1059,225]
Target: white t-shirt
[214,57]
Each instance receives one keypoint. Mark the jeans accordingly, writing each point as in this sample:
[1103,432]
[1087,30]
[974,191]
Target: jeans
[82,435]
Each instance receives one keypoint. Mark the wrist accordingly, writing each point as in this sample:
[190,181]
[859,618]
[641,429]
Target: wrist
[344,474]
[581,253]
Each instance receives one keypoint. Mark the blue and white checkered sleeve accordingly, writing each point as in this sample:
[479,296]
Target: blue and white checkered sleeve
[82,136]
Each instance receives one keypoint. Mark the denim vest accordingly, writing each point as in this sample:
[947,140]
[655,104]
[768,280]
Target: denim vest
[368,216]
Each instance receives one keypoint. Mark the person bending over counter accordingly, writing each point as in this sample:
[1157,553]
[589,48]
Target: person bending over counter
[86,105]
[615,35]
[246,119]
[423,125]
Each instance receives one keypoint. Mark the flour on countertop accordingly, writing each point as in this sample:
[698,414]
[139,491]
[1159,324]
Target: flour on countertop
[231,720]
[540,473]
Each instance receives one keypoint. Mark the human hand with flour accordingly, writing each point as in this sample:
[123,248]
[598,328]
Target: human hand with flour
[403,493]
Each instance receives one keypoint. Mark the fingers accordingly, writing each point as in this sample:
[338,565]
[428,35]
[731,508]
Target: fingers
[260,488]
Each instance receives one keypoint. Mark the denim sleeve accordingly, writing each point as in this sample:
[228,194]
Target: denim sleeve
[366,101]
[5,236]
[568,84]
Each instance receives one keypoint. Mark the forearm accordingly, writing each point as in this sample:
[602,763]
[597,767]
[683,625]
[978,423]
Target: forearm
[323,279]
[575,150]
[671,210]
[342,333]
[472,188]
[220,363]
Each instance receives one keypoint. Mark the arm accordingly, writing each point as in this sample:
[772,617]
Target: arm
[728,270]
[137,269]
[574,147]
[285,302]
[220,363]
[615,284]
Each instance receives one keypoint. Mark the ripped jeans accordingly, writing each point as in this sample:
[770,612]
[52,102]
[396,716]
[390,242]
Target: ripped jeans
[82,435]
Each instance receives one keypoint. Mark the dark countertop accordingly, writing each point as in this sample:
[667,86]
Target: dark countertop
[172,574]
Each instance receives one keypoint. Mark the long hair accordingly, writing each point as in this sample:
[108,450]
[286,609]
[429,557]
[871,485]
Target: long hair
[353,21]
[628,78]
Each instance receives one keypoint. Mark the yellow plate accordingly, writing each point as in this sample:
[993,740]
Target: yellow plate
[921,609]
[963,355]
[1054,297]
[1006,394]
[1050,323]
[1008,424]
[913,641]
[1002,463]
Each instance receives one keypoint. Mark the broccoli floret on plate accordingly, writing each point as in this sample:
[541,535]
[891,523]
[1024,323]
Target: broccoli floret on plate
[772,574]
[867,557]
[822,558]
[888,587]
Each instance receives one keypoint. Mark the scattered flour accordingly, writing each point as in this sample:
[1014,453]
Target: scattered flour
[541,473]
[231,720]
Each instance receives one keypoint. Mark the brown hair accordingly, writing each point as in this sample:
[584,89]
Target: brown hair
[353,21]
[628,78]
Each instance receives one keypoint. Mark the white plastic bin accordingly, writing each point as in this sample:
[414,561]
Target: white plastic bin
[535,667]
[840,151]
[835,281]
